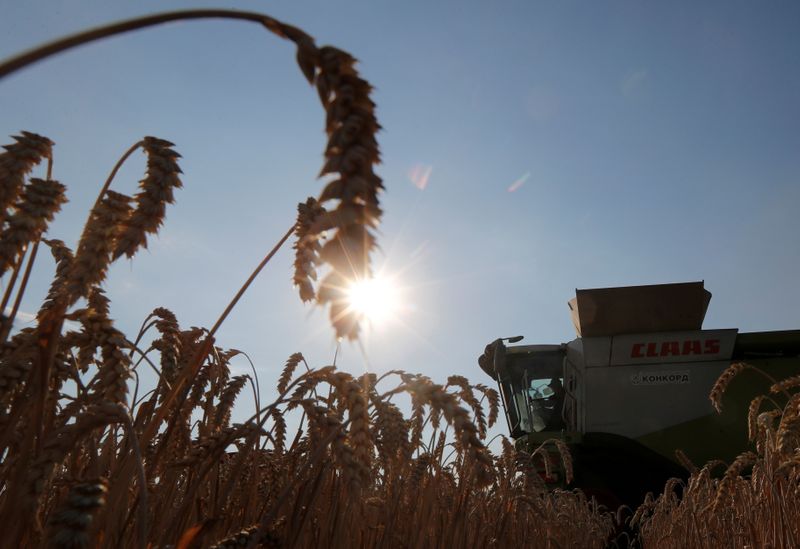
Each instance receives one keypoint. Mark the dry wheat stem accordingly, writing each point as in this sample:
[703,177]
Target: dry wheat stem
[254,383]
[201,354]
[315,458]
[37,54]
[142,503]
[8,320]
[11,283]
[114,171]
[24,283]
[247,283]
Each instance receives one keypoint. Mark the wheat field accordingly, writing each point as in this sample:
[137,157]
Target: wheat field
[94,457]
[91,457]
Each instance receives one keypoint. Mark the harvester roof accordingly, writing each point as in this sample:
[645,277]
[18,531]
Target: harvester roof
[639,309]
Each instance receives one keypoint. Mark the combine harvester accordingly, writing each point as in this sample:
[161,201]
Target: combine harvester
[634,387]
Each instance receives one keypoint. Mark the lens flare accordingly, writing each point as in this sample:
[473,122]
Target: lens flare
[376,300]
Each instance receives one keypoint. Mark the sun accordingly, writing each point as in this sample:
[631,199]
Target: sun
[375,300]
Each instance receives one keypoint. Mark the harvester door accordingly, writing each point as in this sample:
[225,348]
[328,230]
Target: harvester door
[571,401]
[531,379]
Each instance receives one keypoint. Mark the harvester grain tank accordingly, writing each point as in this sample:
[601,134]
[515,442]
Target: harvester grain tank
[634,386]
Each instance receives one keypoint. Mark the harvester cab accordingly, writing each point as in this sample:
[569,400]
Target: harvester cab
[634,386]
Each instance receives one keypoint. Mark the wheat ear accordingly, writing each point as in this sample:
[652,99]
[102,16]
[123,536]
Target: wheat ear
[789,427]
[35,208]
[493,398]
[467,396]
[785,385]
[722,383]
[726,486]
[93,255]
[684,460]
[70,524]
[307,248]
[157,190]
[227,399]
[63,257]
[169,344]
[16,162]
[351,153]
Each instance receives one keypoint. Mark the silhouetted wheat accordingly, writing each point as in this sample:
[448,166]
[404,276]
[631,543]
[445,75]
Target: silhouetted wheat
[90,456]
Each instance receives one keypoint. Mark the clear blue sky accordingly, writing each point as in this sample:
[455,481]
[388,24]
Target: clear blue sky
[643,142]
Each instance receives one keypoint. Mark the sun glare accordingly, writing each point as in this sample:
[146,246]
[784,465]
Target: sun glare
[375,300]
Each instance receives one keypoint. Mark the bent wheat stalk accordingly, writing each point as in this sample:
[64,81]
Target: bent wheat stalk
[42,52]
[350,154]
